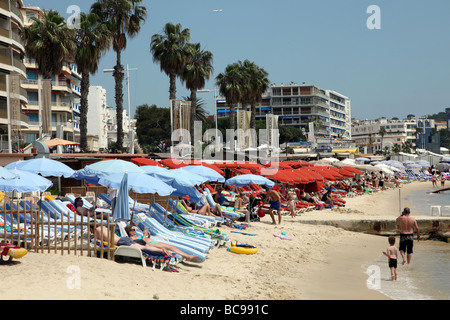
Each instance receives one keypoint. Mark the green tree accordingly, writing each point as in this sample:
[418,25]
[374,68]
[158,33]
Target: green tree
[168,50]
[396,148]
[382,133]
[255,83]
[231,87]
[152,125]
[50,42]
[196,71]
[122,18]
[92,39]
[200,112]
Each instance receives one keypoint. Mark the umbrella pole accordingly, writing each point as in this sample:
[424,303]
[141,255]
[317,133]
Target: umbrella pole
[165,215]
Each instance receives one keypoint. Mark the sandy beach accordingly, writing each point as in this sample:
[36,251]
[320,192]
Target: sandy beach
[321,262]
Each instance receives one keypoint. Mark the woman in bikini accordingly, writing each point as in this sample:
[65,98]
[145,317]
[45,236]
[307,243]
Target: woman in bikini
[146,239]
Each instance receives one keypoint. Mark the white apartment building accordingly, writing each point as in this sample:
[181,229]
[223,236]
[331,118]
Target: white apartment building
[299,104]
[65,95]
[366,133]
[128,125]
[97,124]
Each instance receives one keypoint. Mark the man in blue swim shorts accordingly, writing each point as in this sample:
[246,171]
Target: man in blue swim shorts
[274,198]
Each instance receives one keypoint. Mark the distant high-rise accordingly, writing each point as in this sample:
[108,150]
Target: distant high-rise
[13,98]
[447,111]
[298,104]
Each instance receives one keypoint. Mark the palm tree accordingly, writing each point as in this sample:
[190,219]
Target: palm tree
[196,71]
[231,87]
[51,43]
[122,18]
[200,112]
[92,40]
[168,50]
[255,84]
[382,133]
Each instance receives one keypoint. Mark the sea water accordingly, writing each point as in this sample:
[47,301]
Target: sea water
[428,275]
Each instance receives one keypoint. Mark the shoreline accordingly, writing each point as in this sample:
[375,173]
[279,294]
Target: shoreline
[321,262]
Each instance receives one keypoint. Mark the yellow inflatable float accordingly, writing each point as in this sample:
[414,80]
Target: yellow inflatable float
[13,251]
[243,249]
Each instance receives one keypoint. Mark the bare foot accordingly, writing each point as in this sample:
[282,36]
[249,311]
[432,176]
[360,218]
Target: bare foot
[190,257]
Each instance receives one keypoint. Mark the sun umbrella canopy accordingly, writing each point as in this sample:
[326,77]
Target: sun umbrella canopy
[246,179]
[191,176]
[140,182]
[44,166]
[25,182]
[6,174]
[182,185]
[206,172]
[153,169]
[111,166]
[60,142]
[121,208]
[442,166]
[145,162]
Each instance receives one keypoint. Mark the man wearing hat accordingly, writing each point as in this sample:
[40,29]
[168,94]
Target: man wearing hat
[407,225]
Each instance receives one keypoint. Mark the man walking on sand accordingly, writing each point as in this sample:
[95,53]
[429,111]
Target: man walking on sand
[274,198]
[407,225]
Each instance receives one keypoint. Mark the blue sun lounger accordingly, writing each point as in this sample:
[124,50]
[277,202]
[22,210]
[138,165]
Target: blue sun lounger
[166,236]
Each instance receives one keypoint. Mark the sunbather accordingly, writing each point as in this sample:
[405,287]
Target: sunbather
[88,212]
[204,209]
[147,241]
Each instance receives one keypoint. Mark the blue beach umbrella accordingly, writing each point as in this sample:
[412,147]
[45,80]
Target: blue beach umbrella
[182,185]
[121,208]
[111,166]
[152,169]
[208,173]
[44,166]
[25,182]
[191,176]
[139,182]
[246,179]
[90,177]
[6,174]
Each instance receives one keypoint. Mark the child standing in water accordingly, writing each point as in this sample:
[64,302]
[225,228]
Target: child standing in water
[392,254]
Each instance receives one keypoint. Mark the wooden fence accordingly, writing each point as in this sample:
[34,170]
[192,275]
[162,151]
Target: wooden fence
[26,225]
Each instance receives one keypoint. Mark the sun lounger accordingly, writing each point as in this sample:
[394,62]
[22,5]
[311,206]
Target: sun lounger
[144,255]
[226,210]
[157,212]
[166,236]
[165,218]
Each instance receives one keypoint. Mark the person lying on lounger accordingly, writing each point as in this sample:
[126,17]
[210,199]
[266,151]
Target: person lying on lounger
[204,209]
[147,241]
[88,212]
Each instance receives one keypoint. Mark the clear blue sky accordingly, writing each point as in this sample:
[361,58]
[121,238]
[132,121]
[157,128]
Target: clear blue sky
[402,68]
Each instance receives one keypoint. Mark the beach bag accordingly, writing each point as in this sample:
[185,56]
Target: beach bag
[261,213]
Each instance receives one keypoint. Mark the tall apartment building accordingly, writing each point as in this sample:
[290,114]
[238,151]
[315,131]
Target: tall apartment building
[65,95]
[366,133]
[298,105]
[97,129]
[13,97]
